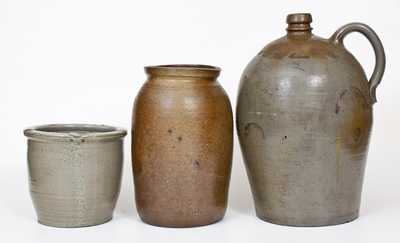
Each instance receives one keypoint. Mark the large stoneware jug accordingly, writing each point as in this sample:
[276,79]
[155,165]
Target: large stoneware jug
[182,141]
[304,117]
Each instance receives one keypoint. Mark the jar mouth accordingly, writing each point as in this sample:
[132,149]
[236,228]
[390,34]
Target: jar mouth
[185,70]
[74,132]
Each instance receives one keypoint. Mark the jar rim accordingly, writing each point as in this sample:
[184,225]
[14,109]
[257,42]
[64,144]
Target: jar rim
[74,132]
[185,70]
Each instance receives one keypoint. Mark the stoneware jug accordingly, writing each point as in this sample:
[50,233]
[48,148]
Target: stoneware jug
[182,141]
[304,116]
[74,173]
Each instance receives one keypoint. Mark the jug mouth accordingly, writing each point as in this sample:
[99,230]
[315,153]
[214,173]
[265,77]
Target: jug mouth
[184,70]
[74,132]
[299,22]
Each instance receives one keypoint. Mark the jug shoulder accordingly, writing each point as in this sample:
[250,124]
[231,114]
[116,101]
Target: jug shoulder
[305,48]
[304,58]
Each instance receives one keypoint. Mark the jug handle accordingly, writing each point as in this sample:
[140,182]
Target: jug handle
[380,59]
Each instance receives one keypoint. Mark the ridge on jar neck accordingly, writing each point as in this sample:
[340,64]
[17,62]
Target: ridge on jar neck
[184,71]
[299,24]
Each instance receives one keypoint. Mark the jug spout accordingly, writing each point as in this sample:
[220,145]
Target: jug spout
[299,23]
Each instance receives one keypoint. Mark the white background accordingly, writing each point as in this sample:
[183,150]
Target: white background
[82,61]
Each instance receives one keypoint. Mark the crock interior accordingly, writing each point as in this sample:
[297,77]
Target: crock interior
[75,129]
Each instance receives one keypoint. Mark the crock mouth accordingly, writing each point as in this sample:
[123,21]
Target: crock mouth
[185,70]
[74,132]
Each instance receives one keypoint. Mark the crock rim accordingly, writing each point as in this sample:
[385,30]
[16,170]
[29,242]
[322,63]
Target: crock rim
[66,132]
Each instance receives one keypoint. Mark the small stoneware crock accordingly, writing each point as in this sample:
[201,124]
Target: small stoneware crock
[182,145]
[304,118]
[74,172]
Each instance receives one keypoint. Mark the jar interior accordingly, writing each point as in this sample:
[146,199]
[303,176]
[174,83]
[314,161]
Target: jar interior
[188,66]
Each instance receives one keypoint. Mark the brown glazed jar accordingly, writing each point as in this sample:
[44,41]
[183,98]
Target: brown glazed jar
[182,142]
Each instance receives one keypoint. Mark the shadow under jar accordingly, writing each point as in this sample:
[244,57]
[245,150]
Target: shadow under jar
[75,173]
[182,146]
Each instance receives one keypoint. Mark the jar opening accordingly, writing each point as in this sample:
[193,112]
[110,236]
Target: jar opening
[185,70]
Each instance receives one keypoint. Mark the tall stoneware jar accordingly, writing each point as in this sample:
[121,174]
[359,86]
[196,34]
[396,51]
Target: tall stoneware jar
[74,172]
[304,117]
[182,146]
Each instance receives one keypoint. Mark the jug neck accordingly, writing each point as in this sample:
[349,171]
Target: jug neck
[299,24]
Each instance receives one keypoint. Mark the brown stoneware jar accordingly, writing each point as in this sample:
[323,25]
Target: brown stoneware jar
[304,118]
[182,141]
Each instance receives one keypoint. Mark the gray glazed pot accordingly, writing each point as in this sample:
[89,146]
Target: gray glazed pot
[304,117]
[75,173]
